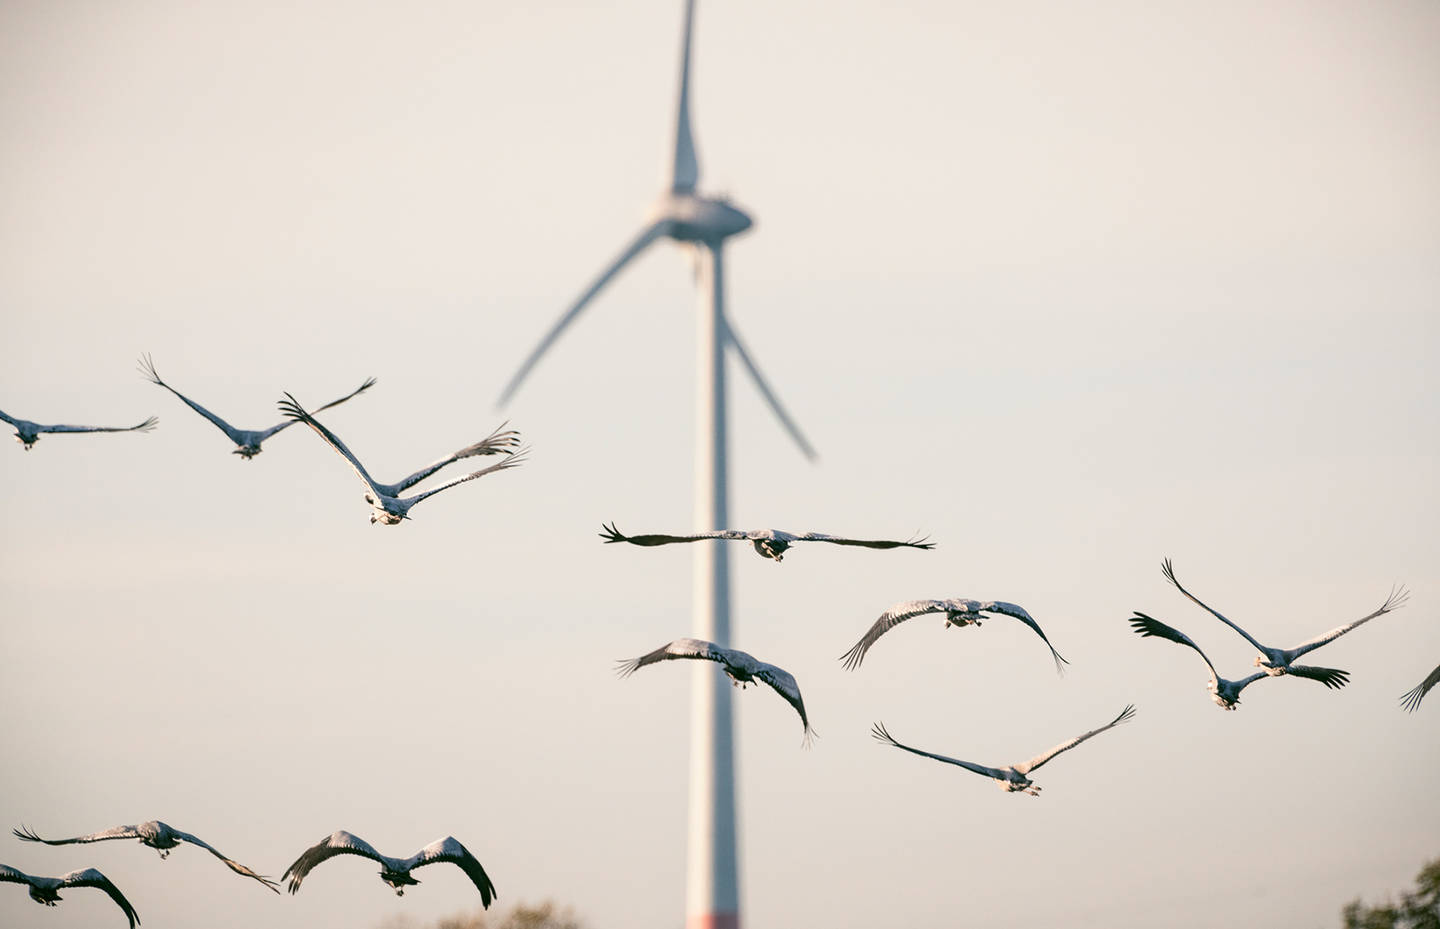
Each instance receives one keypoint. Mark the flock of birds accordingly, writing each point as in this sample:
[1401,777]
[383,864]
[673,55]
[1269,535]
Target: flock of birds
[390,508]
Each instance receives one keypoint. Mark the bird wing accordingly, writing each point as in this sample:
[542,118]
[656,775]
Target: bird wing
[291,408]
[1397,599]
[448,849]
[1411,699]
[513,461]
[369,382]
[866,543]
[92,878]
[888,620]
[1246,682]
[1149,625]
[680,648]
[14,422]
[611,534]
[147,368]
[783,683]
[1028,766]
[1020,613]
[337,843]
[146,426]
[8,873]
[496,443]
[1330,677]
[1169,571]
[233,865]
[879,732]
[118,832]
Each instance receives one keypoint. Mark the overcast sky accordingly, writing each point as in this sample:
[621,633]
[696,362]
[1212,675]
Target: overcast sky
[1069,291]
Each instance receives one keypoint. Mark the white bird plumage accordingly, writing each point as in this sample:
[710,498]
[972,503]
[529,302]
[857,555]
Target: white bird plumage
[1279,661]
[46,890]
[393,871]
[247,441]
[1012,777]
[1225,693]
[958,612]
[770,543]
[390,508]
[742,667]
[28,433]
[154,834]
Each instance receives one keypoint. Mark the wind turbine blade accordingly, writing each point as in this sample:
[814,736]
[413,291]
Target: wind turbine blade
[647,235]
[733,338]
[687,167]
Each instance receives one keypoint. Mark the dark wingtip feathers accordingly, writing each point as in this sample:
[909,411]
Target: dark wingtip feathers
[881,734]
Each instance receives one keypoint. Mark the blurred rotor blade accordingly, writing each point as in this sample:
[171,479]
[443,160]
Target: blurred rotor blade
[687,167]
[733,338]
[647,235]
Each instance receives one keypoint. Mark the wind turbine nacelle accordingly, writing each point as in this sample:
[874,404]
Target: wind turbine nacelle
[691,218]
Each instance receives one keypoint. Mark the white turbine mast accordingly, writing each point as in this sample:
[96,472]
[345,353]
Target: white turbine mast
[704,223]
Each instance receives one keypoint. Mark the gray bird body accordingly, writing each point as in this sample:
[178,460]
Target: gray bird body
[154,834]
[958,612]
[393,871]
[1225,693]
[1012,778]
[769,543]
[28,433]
[741,667]
[46,890]
[388,507]
[247,441]
[1280,661]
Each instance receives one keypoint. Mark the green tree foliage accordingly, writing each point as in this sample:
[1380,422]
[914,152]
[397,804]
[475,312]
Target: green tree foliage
[1419,909]
[545,915]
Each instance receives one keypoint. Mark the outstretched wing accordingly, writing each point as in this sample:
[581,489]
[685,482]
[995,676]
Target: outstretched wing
[611,534]
[1397,599]
[783,683]
[514,461]
[119,832]
[291,408]
[1411,699]
[233,865]
[448,849]
[9,874]
[1148,625]
[1040,759]
[680,648]
[879,732]
[92,878]
[1020,613]
[146,426]
[147,368]
[1330,677]
[337,843]
[501,441]
[16,423]
[888,620]
[369,382]
[1169,571]
[865,543]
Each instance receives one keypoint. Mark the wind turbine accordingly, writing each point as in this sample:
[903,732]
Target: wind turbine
[703,223]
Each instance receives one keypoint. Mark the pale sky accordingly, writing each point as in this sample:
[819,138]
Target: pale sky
[1068,291]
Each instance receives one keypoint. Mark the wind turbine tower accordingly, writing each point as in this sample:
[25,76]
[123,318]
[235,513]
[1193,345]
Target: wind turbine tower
[702,223]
